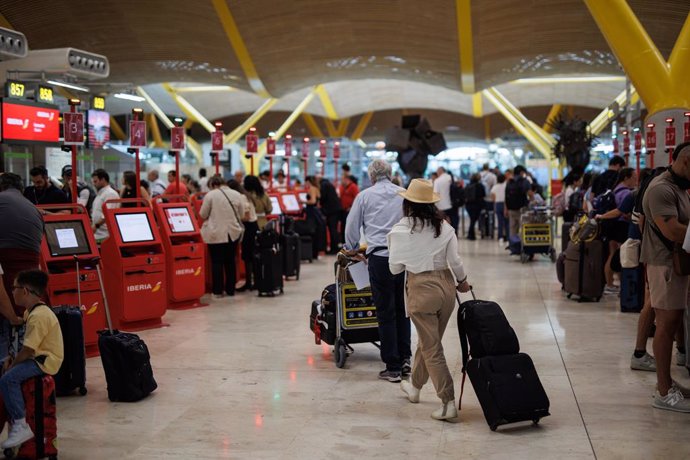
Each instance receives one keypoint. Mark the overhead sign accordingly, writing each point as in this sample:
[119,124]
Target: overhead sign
[45,94]
[137,133]
[305,149]
[177,141]
[651,139]
[29,123]
[270,146]
[336,150]
[98,103]
[323,149]
[15,89]
[638,142]
[217,141]
[252,143]
[670,137]
[287,145]
[73,123]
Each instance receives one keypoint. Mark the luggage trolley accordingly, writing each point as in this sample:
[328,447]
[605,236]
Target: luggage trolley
[355,315]
[536,234]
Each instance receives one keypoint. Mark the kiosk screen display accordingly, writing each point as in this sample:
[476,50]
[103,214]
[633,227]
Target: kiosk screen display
[66,238]
[303,196]
[134,227]
[179,219]
[291,204]
[277,210]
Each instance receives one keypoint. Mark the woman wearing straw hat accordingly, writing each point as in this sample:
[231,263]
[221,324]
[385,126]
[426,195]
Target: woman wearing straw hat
[425,246]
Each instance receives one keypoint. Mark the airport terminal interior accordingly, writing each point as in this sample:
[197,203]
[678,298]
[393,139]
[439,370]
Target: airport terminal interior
[210,190]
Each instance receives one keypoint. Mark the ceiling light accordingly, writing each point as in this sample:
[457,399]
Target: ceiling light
[129,97]
[68,85]
[546,80]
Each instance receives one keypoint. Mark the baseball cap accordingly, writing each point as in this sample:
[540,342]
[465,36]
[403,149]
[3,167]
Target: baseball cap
[67,170]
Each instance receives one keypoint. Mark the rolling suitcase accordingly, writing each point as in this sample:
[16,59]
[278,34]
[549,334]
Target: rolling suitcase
[72,373]
[486,224]
[560,268]
[565,235]
[632,289]
[291,249]
[126,361]
[306,248]
[504,380]
[584,270]
[268,263]
[41,415]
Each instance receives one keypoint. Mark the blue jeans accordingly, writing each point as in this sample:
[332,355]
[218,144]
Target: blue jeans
[388,294]
[11,387]
[503,228]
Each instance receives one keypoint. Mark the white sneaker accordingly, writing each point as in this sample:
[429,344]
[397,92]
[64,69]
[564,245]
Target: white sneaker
[410,390]
[673,401]
[645,363]
[448,411]
[611,290]
[680,359]
[20,432]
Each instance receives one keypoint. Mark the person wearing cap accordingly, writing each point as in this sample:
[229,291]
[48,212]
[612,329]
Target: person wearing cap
[85,195]
[375,211]
[425,247]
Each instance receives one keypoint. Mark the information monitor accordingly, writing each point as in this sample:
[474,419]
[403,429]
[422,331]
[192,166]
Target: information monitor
[179,220]
[277,210]
[291,203]
[66,238]
[134,227]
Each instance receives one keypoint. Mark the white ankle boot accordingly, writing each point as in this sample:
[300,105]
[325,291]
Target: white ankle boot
[447,411]
[410,390]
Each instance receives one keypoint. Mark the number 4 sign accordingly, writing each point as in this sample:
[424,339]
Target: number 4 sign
[137,133]
[74,128]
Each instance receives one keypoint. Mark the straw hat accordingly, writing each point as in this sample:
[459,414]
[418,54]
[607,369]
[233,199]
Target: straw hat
[420,191]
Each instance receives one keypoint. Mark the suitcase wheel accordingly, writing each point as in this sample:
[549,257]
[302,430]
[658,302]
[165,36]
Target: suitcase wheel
[493,427]
[340,354]
[83,391]
[535,421]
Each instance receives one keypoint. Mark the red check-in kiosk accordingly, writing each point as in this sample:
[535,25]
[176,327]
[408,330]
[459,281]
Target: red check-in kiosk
[134,266]
[185,251]
[68,241]
[290,204]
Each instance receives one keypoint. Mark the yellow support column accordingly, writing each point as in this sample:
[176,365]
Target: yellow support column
[679,61]
[556,109]
[312,125]
[342,127]
[242,129]
[117,129]
[362,126]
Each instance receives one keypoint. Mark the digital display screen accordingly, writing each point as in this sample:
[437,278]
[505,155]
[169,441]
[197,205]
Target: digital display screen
[303,196]
[98,128]
[30,123]
[291,203]
[66,238]
[179,220]
[277,210]
[134,227]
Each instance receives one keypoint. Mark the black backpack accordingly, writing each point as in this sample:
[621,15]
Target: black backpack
[474,193]
[92,194]
[575,203]
[457,195]
[516,197]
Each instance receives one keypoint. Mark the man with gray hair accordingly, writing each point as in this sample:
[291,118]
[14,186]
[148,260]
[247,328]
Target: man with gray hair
[375,211]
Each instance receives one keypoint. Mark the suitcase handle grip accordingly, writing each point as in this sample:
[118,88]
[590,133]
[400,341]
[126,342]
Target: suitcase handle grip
[65,291]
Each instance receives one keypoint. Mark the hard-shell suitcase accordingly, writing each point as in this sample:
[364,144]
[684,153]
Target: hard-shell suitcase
[41,415]
[560,268]
[584,270]
[632,289]
[508,389]
[306,248]
[126,360]
[268,265]
[565,235]
[291,249]
[486,223]
[72,373]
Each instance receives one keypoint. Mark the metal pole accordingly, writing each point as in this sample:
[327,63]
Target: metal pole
[73,109]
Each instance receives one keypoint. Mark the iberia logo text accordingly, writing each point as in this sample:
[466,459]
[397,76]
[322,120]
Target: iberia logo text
[145,287]
[188,271]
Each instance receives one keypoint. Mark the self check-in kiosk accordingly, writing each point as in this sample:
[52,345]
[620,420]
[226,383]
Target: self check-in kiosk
[134,266]
[69,255]
[185,251]
[290,204]
[277,209]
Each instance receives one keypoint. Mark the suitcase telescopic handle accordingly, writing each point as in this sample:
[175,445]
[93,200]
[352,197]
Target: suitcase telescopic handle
[105,298]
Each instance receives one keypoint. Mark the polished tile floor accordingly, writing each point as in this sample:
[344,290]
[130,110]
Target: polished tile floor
[243,378]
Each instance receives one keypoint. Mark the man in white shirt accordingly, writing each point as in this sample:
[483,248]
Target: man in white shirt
[203,180]
[101,180]
[157,185]
[442,187]
[488,180]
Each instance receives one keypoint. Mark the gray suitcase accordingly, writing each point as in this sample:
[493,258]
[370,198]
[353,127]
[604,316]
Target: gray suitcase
[565,235]
[584,270]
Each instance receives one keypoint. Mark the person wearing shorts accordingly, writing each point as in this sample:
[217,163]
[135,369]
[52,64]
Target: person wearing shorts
[666,207]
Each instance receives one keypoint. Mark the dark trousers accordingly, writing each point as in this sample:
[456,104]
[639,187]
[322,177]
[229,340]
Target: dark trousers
[503,228]
[453,217]
[248,247]
[334,235]
[473,211]
[388,292]
[223,267]
[343,221]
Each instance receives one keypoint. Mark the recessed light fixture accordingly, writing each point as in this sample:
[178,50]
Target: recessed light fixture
[129,97]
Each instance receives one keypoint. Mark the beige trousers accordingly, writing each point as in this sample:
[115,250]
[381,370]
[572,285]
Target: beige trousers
[430,304]
[514,221]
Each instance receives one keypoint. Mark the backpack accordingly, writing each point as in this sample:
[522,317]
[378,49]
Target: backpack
[92,194]
[474,193]
[605,202]
[558,204]
[457,195]
[576,201]
[516,197]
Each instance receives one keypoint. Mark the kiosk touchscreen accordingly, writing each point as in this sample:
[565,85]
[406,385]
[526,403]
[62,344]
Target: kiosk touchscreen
[135,267]
[69,255]
[291,204]
[277,209]
[185,253]
[302,196]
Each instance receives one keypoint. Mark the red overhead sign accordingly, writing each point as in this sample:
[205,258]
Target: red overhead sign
[670,137]
[252,143]
[305,149]
[177,138]
[137,133]
[217,141]
[270,146]
[29,123]
[336,150]
[73,123]
[287,144]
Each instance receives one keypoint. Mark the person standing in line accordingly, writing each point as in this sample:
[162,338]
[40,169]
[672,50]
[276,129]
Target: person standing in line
[375,210]
[498,197]
[348,192]
[425,247]
[474,203]
[222,210]
[666,208]
[43,191]
[516,197]
[442,187]
[104,192]
[129,184]
[85,194]
[488,179]
[157,185]
[314,217]
[172,185]
[251,228]
[203,180]
[260,199]
[20,247]
[330,206]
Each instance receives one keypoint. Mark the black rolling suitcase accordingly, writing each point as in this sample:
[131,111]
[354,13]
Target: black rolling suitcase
[268,263]
[72,373]
[290,246]
[306,231]
[632,289]
[126,361]
[505,380]
[486,224]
